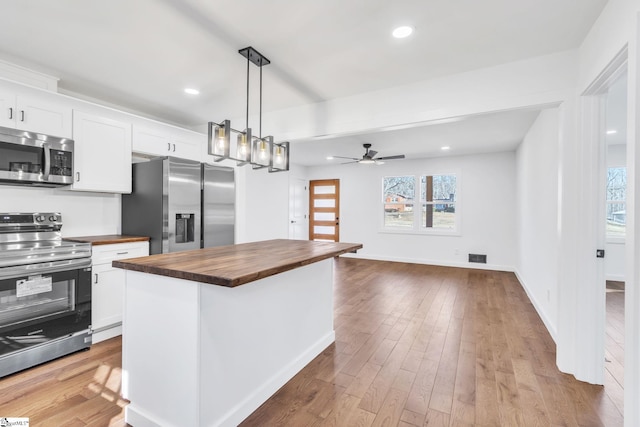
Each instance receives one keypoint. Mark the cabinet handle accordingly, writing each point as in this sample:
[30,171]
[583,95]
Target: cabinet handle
[96,274]
[22,115]
[168,146]
[122,253]
[174,148]
[10,113]
[77,176]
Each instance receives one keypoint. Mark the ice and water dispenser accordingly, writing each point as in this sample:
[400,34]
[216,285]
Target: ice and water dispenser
[185,227]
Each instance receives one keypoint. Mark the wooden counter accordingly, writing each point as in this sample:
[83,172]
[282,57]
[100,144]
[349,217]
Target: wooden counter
[236,265]
[107,239]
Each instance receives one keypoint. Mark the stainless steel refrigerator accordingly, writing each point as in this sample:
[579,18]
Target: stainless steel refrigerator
[180,204]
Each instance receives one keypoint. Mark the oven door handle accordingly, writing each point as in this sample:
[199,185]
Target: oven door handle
[46,170]
[44,268]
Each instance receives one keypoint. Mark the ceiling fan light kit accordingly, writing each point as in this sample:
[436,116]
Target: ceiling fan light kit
[369,157]
[260,152]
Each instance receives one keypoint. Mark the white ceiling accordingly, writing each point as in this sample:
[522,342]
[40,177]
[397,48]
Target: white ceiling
[141,54]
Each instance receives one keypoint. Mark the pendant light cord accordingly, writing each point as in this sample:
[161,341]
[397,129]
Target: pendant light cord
[247,119]
[260,99]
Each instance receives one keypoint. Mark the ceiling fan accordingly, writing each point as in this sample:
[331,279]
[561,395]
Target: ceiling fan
[369,157]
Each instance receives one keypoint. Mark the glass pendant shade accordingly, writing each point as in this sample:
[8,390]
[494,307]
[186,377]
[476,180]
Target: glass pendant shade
[219,140]
[243,147]
[261,152]
[280,157]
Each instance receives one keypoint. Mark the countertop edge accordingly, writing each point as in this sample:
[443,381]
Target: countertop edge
[108,239]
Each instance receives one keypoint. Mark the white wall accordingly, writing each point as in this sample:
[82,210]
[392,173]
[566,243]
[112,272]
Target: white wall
[537,213]
[82,213]
[486,206]
[263,212]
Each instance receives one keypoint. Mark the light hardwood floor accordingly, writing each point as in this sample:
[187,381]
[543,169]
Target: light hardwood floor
[415,345]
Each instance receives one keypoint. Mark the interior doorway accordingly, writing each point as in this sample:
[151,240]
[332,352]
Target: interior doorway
[298,204]
[615,140]
[324,210]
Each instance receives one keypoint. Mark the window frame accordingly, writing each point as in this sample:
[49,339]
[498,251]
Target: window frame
[418,228]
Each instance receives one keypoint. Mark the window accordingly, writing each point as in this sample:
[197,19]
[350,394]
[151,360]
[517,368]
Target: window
[438,198]
[435,207]
[616,201]
[398,193]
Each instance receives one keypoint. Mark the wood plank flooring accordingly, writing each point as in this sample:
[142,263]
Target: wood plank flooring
[415,345]
[614,344]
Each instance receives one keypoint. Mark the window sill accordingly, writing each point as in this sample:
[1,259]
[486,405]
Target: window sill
[452,233]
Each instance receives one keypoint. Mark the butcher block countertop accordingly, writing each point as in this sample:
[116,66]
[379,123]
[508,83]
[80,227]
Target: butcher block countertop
[108,239]
[236,265]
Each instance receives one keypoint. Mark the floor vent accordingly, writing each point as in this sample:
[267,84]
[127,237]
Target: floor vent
[482,259]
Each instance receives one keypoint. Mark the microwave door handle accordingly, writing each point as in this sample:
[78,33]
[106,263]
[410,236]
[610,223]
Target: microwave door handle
[47,161]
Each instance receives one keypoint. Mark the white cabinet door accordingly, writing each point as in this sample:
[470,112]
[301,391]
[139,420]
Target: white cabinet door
[36,112]
[151,141]
[7,108]
[42,115]
[189,146]
[158,140]
[102,160]
[107,296]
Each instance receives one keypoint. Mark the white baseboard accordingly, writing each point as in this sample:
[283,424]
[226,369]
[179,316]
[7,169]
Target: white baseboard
[538,307]
[472,265]
[105,334]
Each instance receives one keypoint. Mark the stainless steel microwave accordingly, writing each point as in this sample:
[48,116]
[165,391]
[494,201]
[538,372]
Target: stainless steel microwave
[28,158]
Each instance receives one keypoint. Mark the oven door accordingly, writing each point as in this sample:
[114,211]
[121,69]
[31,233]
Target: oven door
[41,302]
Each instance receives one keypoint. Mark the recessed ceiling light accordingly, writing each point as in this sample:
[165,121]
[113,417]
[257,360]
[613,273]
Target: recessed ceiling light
[445,148]
[611,132]
[191,91]
[329,157]
[402,32]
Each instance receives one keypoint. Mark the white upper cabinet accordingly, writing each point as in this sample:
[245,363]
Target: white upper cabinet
[102,159]
[159,140]
[39,112]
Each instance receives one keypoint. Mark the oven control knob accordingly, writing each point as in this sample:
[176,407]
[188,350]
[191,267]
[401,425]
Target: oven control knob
[40,218]
[53,218]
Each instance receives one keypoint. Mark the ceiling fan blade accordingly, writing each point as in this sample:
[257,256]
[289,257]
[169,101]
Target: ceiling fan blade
[399,156]
[347,163]
[340,157]
[372,153]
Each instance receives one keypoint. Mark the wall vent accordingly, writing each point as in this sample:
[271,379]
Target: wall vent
[482,259]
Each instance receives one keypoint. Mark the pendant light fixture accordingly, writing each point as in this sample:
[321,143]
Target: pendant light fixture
[261,152]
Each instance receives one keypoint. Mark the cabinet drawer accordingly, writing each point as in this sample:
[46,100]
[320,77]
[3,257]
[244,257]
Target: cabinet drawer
[104,254]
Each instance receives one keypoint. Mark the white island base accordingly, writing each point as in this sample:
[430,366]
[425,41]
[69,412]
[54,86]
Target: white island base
[197,354]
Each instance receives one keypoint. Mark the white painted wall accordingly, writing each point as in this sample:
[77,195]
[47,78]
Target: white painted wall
[263,211]
[82,213]
[486,205]
[537,216]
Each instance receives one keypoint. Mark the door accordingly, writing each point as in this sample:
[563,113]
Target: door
[324,210]
[298,203]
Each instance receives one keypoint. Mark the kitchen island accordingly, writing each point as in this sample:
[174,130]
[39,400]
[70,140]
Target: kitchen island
[211,334]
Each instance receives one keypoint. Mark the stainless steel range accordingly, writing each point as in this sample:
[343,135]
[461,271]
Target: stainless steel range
[45,291]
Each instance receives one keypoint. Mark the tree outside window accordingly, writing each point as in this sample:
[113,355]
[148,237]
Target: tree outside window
[438,198]
[616,201]
[398,194]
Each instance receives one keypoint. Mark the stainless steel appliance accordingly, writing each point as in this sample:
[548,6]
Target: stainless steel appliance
[28,158]
[45,291]
[180,204]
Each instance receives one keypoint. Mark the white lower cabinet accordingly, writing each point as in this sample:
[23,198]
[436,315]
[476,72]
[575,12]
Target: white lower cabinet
[108,287]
